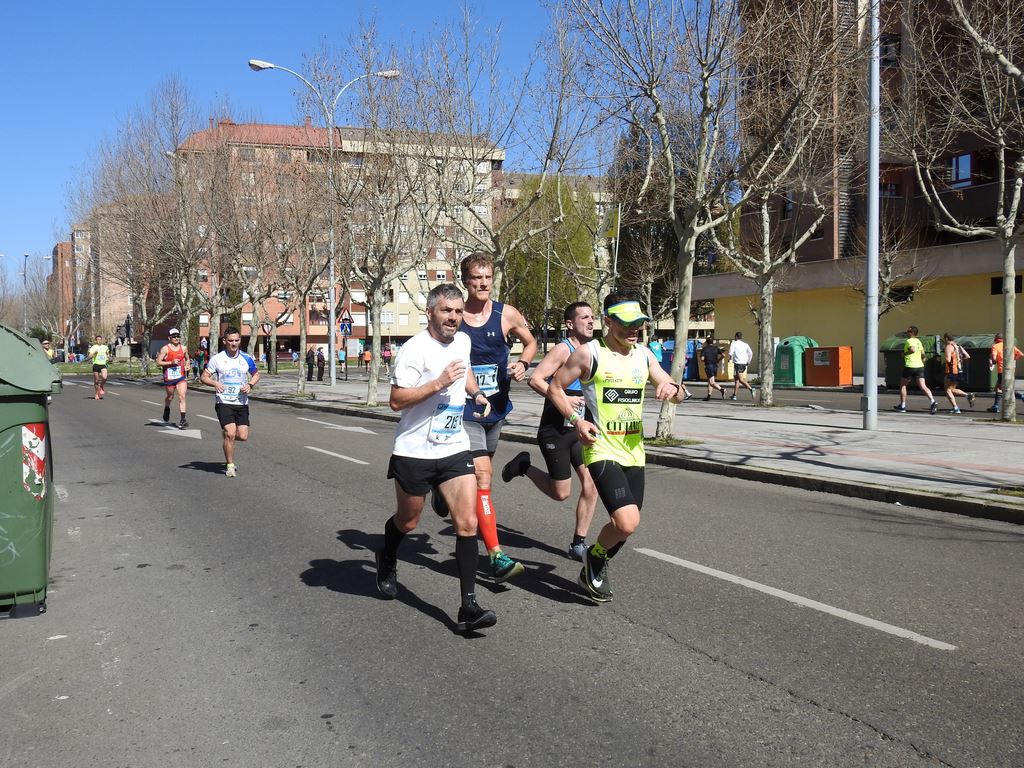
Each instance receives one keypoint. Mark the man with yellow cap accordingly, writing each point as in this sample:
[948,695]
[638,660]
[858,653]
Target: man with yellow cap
[613,371]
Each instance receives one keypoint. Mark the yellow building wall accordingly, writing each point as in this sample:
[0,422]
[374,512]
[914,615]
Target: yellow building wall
[834,317]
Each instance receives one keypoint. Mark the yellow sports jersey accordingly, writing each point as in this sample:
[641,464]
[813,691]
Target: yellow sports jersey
[98,353]
[913,353]
[615,396]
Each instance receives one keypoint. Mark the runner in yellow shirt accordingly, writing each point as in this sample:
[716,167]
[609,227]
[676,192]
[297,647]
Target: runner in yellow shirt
[98,354]
[913,368]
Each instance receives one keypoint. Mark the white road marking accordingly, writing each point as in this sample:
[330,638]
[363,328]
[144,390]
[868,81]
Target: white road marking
[211,418]
[62,492]
[802,601]
[195,434]
[336,455]
[329,425]
[150,402]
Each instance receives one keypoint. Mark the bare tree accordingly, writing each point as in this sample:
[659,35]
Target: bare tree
[963,128]
[671,73]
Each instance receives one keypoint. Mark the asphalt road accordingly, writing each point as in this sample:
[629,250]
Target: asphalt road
[196,620]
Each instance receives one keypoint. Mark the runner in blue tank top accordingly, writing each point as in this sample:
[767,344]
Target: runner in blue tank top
[559,444]
[488,323]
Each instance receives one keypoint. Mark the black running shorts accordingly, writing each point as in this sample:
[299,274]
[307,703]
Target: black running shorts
[618,486]
[232,414]
[417,476]
[98,368]
[561,449]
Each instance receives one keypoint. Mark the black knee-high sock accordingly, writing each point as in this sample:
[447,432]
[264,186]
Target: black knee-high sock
[392,538]
[615,550]
[466,555]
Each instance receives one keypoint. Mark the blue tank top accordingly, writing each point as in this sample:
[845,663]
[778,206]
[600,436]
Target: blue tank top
[489,359]
[549,415]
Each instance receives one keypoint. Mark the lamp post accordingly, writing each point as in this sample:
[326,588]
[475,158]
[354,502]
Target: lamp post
[258,65]
[869,401]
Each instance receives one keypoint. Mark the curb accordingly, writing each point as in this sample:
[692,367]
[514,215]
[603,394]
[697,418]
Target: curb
[981,509]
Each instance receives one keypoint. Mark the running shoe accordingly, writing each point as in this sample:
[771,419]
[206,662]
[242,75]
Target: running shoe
[708,397]
[933,408]
[732,397]
[504,567]
[689,396]
[576,551]
[183,424]
[970,399]
[993,409]
[594,578]
[387,576]
[167,414]
[437,502]
[229,471]
[517,467]
[472,617]
[722,393]
[902,408]
[955,410]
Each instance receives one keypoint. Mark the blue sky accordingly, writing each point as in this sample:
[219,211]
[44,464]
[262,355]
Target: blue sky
[73,70]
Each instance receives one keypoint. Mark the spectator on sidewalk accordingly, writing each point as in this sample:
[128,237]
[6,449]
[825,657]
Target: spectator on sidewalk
[310,362]
[740,354]
[955,357]
[321,362]
[913,370]
[712,355]
[367,359]
[385,354]
[995,361]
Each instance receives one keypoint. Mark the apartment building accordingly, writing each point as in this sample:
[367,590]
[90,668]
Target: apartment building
[408,208]
[942,282]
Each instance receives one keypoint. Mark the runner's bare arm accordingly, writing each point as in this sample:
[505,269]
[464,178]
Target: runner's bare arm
[404,397]
[554,360]
[576,367]
[665,388]
[513,322]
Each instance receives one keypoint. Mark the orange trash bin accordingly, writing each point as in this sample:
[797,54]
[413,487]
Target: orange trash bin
[828,367]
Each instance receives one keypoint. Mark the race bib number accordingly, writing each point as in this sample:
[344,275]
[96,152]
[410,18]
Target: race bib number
[445,424]
[173,372]
[486,378]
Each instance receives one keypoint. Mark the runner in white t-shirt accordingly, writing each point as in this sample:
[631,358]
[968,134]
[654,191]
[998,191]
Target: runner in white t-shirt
[429,386]
[236,374]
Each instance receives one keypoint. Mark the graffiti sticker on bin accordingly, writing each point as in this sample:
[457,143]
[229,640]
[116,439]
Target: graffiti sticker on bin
[33,459]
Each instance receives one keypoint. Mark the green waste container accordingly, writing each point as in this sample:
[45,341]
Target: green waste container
[979,378]
[789,360]
[26,473]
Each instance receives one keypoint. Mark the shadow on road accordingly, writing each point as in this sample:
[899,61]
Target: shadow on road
[213,467]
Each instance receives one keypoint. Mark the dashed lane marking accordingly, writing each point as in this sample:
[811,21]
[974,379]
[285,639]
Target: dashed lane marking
[336,455]
[804,602]
[330,425]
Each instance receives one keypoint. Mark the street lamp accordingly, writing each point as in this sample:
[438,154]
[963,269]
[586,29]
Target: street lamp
[258,65]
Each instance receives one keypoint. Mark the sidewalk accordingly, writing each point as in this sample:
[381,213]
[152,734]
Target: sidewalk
[942,462]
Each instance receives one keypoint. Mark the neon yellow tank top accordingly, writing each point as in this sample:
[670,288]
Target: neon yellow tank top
[615,396]
[913,353]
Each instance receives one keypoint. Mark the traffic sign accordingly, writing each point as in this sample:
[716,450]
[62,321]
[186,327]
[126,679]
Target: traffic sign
[345,328]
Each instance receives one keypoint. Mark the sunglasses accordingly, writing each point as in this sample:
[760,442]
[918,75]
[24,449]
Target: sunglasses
[631,324]
[175,335]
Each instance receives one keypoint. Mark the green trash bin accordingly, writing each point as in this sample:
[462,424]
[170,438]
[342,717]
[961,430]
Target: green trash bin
[979,378]
[789,360]
[26,473]
[892,354]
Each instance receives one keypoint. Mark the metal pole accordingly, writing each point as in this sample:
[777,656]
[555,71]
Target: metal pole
[869,401]
[547,290]
[25,296]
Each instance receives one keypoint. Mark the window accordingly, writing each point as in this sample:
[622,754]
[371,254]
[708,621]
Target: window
[958,172]
[787,208]
[283,156]
[249,273]
[889,189]
[247,318]
[356,161]
[480,231]
[359,296]
[441,274]
[79,248]
[285,318]
[387,318]
[997,285]
[204,319]
[440,230]
[248,179]
[359,318]
[484,166]
[316,156]
[422,320]
[246,153]
[202,229]
[403,321]
[818,233]
[889,46]
[285,295]
[203,275]
[403,297]
[421,275]
[901,294]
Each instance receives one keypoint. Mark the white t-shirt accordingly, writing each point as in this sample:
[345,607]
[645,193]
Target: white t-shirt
[431,429]
[233,373]
[740,352]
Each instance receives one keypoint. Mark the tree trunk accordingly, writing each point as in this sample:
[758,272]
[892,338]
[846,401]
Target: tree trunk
[300,379]
[1009,321]
[373,374]
[684,265]
[766,365]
